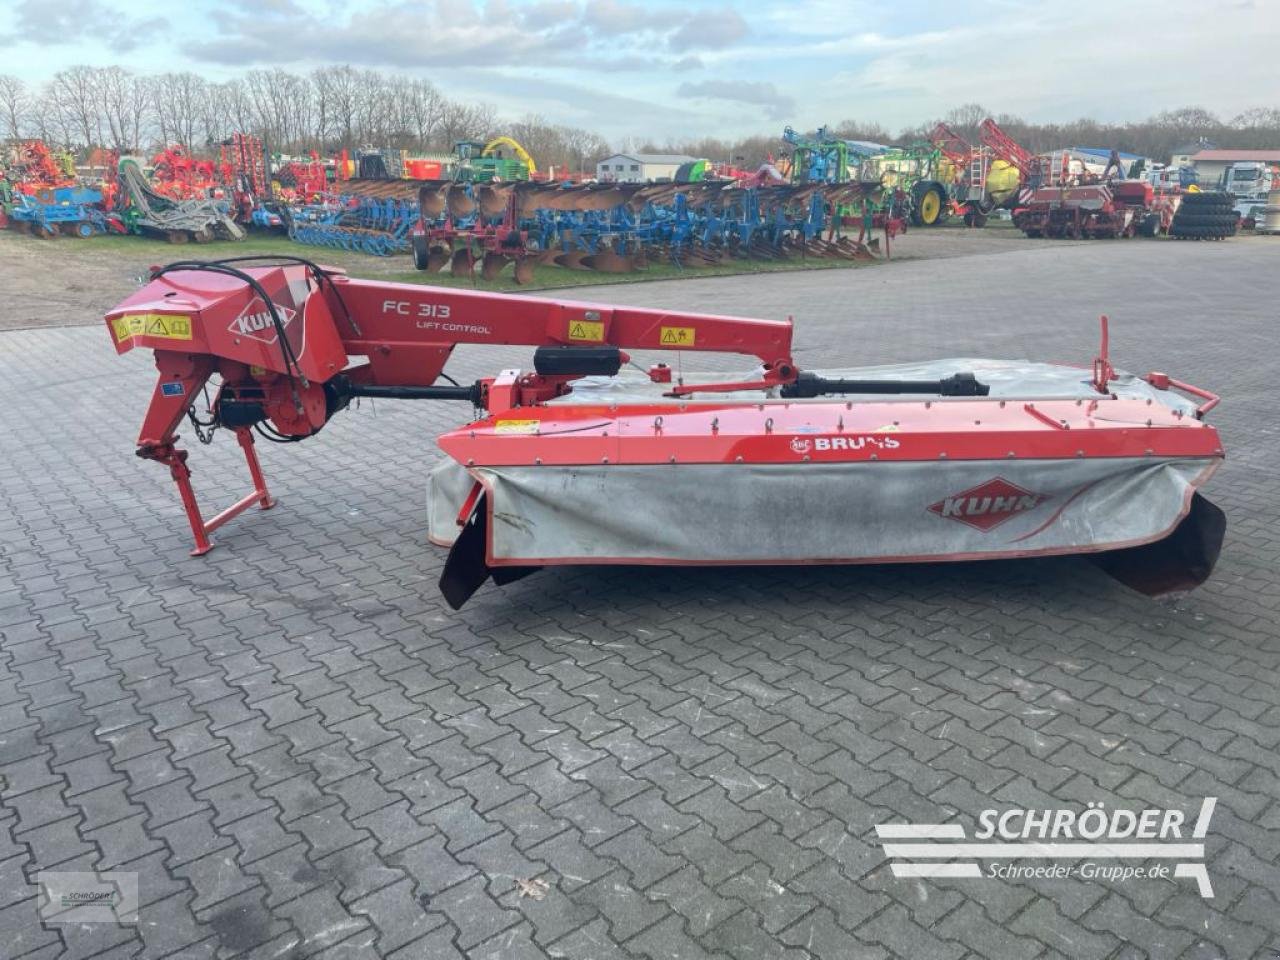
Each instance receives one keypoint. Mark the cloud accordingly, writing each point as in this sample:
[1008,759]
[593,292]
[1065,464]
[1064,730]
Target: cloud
[709,30]
[613,17]
[45,23]
[605,34]
[777,105]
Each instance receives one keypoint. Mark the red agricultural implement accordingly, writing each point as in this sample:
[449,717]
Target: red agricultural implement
[1120,208]
[35,171]
[303,181]
[583,461]
[178,175]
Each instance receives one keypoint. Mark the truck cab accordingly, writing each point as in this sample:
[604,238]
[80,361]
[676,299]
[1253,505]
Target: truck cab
[1249,182]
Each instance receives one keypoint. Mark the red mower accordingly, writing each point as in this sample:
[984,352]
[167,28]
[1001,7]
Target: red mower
[583,461]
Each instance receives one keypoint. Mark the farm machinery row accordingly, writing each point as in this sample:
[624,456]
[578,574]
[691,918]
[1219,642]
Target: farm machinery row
[182,199]
[923,183]
[468,226]
[942,175]
[619,228]
[123,201]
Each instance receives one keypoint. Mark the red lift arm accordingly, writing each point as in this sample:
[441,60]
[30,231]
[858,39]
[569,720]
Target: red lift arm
[293,342]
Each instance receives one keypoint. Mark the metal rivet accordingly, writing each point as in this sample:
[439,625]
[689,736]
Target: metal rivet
[1012,455]
[604,459]
[671,459]
[537,461]
[875,456]
[470,462]
[737,459]
[942,456]
[1079,453]
[768,425]
[805,457]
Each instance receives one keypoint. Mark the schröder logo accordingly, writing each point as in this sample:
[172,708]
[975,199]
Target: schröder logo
[1090,844]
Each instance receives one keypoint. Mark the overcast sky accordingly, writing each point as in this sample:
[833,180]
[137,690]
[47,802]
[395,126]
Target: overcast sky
[662,69]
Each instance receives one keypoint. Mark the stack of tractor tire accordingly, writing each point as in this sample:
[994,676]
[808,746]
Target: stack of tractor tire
[1205,216]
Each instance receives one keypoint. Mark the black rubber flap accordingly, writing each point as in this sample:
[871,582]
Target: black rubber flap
[1180,561]
[466,569]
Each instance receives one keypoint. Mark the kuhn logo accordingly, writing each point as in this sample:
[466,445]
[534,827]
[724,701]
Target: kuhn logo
[256,323]
[800,445]
[988,505]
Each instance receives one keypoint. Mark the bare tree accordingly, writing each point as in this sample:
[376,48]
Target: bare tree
[178,100]
[15,103]
[422,107]
[340,89]
[123,104]
[74,94]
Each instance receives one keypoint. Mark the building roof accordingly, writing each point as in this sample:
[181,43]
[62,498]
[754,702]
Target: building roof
[667,158]
[1228,155]
[1105,153]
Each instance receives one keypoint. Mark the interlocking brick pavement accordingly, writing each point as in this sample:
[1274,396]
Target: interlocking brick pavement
[303,753]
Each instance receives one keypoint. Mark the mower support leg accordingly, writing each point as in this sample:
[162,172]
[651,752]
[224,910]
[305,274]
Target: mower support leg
[176,460]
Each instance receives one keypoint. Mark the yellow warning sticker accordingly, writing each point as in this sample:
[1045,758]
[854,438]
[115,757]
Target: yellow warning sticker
[888,428]
[166,325]
[516,426]
[586,330]
[677,336]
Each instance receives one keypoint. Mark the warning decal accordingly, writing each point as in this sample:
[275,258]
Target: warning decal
[677,336]
[586,330]
[516,426]
[166,325]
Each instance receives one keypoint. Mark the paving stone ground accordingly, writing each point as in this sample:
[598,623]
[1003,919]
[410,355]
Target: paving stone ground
[301,752]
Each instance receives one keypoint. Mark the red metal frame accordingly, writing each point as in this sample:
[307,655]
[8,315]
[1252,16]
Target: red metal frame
[176,460]
[1007,149]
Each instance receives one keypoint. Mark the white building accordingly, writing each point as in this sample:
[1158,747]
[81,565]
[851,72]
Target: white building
[640,167]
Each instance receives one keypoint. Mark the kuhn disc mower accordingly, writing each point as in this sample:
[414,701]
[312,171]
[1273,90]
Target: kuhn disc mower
[581,462]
